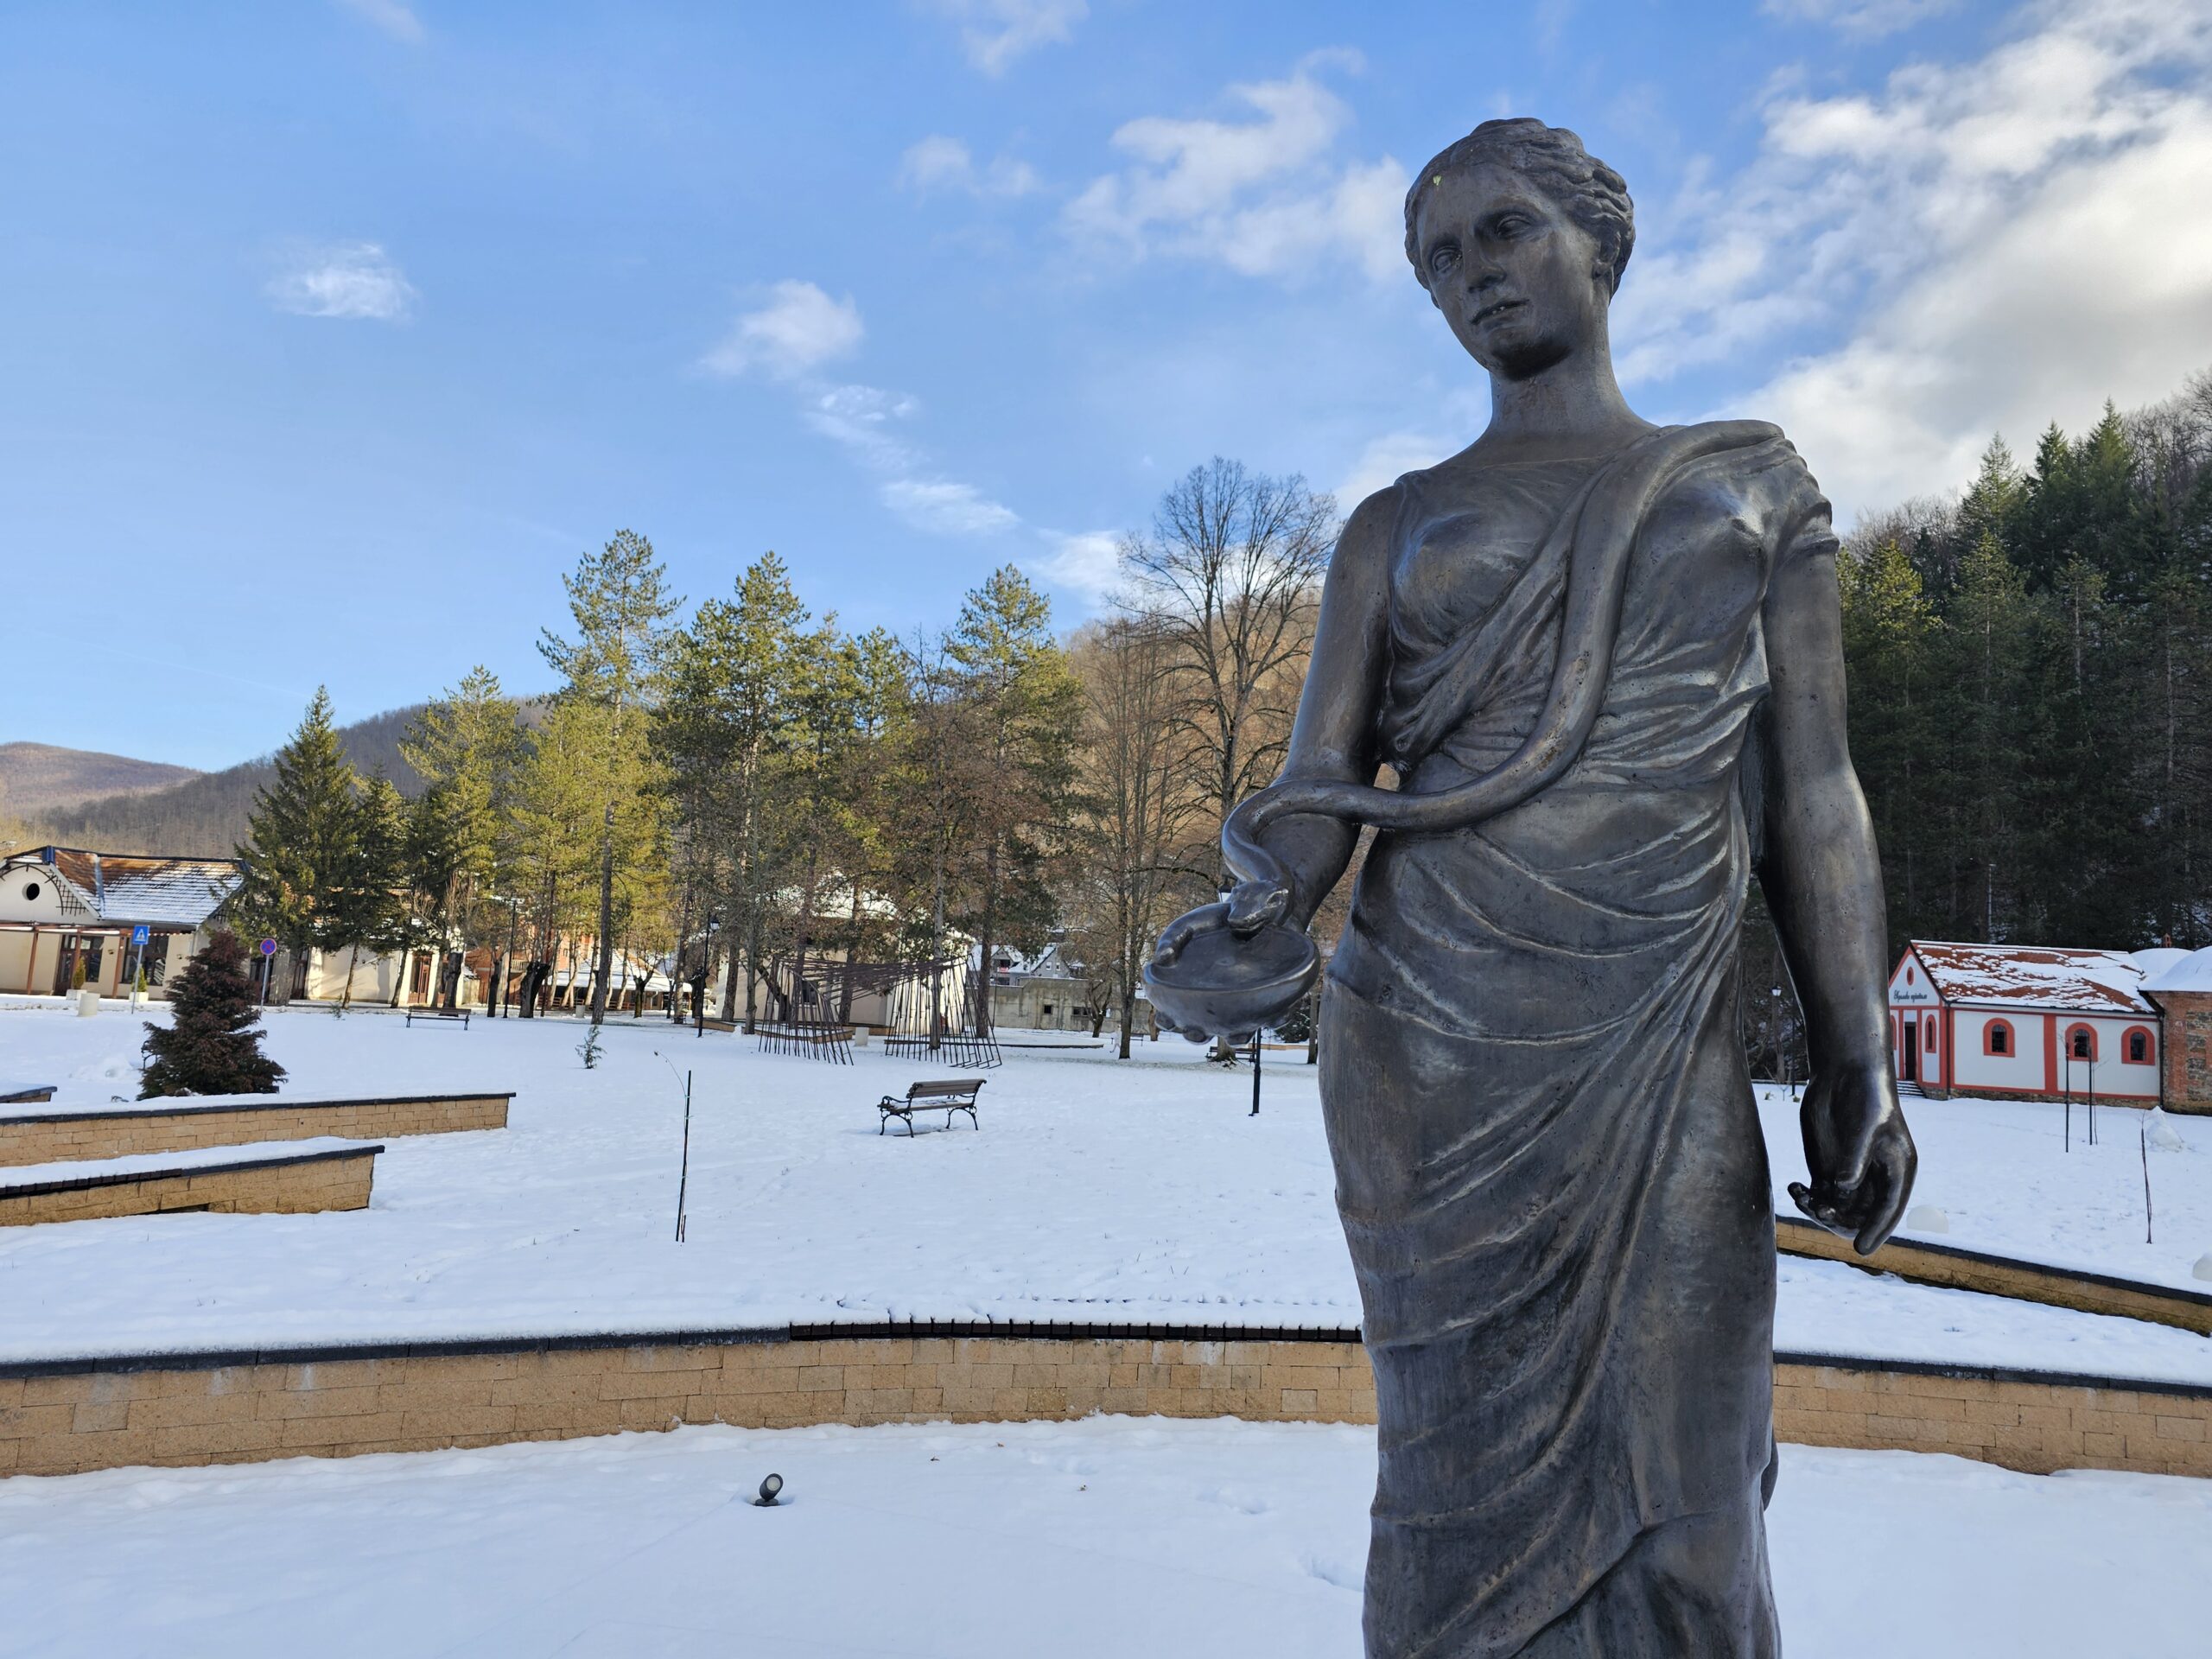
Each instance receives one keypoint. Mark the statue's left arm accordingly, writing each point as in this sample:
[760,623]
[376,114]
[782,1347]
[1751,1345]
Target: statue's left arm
[1823,885]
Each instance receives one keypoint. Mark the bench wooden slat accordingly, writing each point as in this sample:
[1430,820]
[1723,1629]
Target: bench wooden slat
[947,1094]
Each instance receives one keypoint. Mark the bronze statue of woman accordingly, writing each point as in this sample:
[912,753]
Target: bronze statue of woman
[1604,660]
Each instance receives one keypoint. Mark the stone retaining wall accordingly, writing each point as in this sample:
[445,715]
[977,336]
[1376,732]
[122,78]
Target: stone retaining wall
[312,1181]
[63,1417]
[1957,1269]
[124,1131]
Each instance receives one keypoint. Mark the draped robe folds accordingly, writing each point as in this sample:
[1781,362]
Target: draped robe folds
[1550,1166]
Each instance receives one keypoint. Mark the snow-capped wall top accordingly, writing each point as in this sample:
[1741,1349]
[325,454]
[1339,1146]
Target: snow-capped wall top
[2191,971]
[2032,977]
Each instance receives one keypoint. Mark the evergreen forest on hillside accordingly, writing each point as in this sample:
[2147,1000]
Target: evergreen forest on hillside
[2031,673]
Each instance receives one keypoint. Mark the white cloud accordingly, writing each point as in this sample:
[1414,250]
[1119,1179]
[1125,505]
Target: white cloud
[865,419]
[1862,19]
[393,17]
[861,417]
[351,280]
[937,161]
[941,163]
[1990,246]
[1089,561]
[946,508]
[1266,195]
[1386,459]
[799,328]
[996,32]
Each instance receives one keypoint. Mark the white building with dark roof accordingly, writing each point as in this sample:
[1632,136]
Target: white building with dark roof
[2023,1020]
[63,908]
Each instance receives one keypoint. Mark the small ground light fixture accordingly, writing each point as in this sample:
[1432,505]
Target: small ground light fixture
[769,1488]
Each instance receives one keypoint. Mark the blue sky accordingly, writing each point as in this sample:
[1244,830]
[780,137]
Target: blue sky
[334,330]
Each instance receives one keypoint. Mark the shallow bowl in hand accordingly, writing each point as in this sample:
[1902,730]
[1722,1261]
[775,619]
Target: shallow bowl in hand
[1224,984]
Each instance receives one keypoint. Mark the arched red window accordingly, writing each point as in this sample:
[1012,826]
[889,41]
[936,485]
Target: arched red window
[2138,1046]
[2081,1042]
[1997,1038]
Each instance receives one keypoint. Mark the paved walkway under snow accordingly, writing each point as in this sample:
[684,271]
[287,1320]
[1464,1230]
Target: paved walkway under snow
[1087,1540]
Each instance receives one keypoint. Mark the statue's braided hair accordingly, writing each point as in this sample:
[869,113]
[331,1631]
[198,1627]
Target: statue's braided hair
[1553,159]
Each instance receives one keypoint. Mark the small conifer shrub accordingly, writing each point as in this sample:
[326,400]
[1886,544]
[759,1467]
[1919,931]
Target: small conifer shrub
[213,1042]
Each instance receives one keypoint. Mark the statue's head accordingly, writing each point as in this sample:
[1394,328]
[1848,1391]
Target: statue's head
[1520,236]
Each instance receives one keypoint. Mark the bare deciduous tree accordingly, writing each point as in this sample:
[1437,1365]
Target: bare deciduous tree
[1229,575]
[1139,805]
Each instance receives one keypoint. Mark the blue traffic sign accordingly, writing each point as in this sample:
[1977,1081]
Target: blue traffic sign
[138,933]
[269,947]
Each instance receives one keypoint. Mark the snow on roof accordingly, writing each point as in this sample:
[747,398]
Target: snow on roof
[2156,960]
[2189,971]
[2072,981]
[181,891]
[126,888]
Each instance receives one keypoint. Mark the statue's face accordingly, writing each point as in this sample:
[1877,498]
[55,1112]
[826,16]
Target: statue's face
[1515,276]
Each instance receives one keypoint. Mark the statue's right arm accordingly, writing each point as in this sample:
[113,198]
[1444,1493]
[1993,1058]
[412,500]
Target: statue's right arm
[1335,734]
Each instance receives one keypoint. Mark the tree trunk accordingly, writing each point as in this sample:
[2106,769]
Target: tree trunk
[606,917]
[729,984]
[984,1022]
[852,953]
[936,947]
[752,972]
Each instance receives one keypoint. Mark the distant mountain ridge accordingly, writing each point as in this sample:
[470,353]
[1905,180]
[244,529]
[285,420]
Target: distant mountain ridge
[41,778]
[202,815]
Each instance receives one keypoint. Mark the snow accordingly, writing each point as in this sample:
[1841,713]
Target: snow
[140,1163]
[63,1106]
[2191,972]
[2087,982]
[992,1542]
[2156,960]
[2002,1175]
[1094,1193]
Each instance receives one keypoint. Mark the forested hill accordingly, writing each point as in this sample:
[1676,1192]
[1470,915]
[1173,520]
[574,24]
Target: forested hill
[205,815]
[41,778]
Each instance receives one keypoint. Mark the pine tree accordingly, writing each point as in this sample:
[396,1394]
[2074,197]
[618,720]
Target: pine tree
[368,910]
[1992,724]
[468,746]
[1018,709]
[616,666]
[721,730]
[1889,628]
[435,871]
[213,1042]
[302,842]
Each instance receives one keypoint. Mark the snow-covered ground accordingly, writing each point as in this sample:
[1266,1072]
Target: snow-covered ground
[1095,1192]
[1105,1536]
[2006,1181]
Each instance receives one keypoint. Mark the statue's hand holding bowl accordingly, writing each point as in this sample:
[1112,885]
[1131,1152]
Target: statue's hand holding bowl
[1229,970]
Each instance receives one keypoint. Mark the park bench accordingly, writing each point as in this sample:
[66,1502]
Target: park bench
[434,1016]
[24,1093]
[949,1094]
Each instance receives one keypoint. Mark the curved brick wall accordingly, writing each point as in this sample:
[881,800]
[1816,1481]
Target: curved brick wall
[63,1417]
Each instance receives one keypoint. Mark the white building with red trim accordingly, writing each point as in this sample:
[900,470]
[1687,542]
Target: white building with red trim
[2023,1020]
